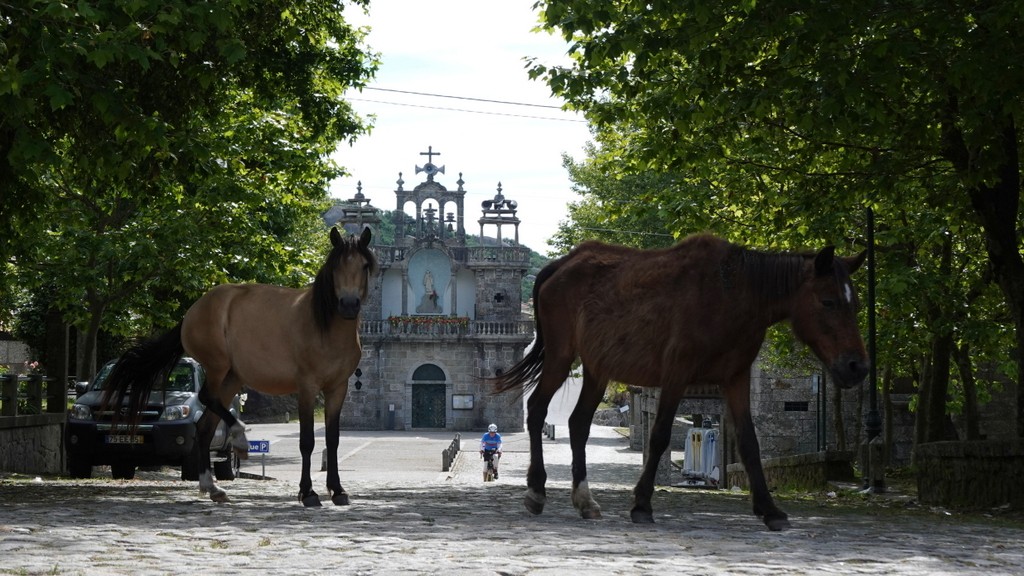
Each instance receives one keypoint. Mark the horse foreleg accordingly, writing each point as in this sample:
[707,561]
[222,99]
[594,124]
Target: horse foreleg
[579,432]
[205,429]
[306,444]
[661,434]
[738,399]
[332,434]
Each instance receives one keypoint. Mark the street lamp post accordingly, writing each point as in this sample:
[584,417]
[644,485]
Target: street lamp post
[874,475]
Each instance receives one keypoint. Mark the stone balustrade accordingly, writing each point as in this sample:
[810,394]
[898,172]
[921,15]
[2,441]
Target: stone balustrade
[444,326]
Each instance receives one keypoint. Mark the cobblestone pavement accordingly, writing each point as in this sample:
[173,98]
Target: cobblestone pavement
[455,524]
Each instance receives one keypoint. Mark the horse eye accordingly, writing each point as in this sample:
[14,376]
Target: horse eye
[827,303]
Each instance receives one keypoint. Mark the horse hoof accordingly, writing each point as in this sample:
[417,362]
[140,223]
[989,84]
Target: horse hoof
[776,524]
[534,503]
[219,496]
[591,514]
[310,500]
[641,516]
[240,443]
[339,499]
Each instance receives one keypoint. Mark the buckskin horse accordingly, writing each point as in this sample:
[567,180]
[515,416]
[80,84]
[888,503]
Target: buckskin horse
[670,318]
[273,339]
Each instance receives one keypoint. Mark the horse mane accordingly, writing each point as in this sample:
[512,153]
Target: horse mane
[773,276]
[325,305]
[770,275]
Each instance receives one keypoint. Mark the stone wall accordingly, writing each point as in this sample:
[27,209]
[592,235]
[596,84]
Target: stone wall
[786,412]
[385,397]
[32,444]
[801,472]
[983,474]
[14,355]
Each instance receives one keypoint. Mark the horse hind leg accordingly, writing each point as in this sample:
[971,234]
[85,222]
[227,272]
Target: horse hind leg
[236,428]
[552,376]
[579,432]
[537,410]
[205,427]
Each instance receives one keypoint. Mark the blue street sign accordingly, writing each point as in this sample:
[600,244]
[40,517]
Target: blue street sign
[259,446]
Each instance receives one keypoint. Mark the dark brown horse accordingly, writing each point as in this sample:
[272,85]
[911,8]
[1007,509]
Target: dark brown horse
[272,339]
[671,318]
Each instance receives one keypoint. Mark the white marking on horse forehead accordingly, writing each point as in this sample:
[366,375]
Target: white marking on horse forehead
[848,292]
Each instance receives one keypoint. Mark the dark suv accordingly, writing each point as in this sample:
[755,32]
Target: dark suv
[166,434]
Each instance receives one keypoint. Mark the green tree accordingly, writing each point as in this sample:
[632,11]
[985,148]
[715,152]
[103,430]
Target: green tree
[819,109]
[153,149]
[622,209]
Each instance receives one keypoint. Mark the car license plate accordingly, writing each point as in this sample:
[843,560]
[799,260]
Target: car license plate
[124,439]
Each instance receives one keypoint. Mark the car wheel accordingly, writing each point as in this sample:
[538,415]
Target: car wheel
[190,465]
[227,469]
[122,470]
[79,468]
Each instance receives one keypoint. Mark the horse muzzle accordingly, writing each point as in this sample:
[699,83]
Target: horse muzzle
[348,307]
[849,370]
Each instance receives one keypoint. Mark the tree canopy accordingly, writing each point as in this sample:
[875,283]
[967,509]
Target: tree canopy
[777,123]
[150,149]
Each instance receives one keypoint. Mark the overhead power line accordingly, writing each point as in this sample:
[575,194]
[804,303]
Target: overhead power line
[636,232]
[462,98]
[468,111]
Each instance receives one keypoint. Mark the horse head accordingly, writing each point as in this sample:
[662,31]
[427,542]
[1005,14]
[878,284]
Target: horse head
[343,282]
[353,264]
[824,316]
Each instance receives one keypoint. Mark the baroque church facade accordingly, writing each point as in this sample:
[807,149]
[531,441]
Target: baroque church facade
[442,316]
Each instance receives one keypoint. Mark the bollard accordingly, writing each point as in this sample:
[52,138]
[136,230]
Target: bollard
[449,454]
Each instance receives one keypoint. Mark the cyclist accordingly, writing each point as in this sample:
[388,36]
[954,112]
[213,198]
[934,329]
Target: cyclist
[490,445]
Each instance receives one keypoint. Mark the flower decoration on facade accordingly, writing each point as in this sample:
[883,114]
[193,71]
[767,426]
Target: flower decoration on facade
[428,320]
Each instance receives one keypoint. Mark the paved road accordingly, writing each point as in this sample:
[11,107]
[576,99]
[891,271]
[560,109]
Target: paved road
[424,522]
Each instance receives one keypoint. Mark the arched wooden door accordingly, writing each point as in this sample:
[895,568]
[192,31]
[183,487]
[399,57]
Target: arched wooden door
[429,395]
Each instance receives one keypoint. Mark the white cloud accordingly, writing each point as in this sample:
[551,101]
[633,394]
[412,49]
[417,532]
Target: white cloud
[471,49]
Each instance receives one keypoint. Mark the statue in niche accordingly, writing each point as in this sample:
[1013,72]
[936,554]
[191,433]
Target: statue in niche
[429,302]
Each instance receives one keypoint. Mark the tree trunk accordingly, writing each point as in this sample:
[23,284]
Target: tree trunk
[935,420]
[962,357]
[88,368]
[996,204]
[924,387]
[941,352]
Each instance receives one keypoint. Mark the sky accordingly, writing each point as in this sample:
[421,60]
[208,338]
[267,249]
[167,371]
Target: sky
[469,49]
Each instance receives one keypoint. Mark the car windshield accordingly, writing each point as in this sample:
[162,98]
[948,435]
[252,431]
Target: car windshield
[182,378]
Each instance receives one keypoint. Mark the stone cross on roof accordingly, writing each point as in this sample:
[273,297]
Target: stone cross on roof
[429,167]
[430,153]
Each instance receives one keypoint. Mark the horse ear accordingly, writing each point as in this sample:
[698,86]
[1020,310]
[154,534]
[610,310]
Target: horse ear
[335,237]
[824,261]
[854,262]
[364,238]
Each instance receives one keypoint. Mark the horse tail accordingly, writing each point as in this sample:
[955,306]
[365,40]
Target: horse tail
[526,372]
[138,370]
